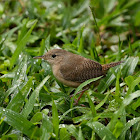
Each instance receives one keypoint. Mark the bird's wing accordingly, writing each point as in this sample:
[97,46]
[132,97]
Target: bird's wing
[81,72]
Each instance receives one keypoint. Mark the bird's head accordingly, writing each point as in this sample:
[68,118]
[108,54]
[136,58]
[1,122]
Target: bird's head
[54,56]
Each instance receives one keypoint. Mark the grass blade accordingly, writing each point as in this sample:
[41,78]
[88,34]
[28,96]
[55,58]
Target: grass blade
[30,104]
[91,104]
[125,102]
[17,101]
[127,126]
[83,85]
[102,131]
[64,135]
[55,120]
[103,101]
[73,131]
[21,45]
[80,135]
[41,51]
[132,85]
[47,128]
[19,122]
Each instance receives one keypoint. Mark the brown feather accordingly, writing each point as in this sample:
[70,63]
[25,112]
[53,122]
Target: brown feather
[72,69]
[106,67]
[81,71]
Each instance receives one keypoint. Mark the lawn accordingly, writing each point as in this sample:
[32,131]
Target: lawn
[34,105]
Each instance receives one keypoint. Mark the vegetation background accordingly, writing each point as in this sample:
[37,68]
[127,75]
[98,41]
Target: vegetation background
[33,105]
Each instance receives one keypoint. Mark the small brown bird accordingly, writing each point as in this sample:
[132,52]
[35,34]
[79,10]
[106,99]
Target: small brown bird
[72,69]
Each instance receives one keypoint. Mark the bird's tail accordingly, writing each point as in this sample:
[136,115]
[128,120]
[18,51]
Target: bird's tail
[106,67]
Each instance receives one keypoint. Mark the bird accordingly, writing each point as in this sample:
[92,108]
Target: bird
[72,69]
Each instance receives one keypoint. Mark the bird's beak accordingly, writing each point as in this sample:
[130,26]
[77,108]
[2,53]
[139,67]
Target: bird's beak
[39,57]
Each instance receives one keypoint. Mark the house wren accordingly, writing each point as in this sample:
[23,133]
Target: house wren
[72,69]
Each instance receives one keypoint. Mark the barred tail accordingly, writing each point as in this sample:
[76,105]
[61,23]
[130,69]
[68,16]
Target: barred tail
[108,66]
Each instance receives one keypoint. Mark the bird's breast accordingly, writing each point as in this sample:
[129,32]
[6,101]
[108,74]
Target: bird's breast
[59,77]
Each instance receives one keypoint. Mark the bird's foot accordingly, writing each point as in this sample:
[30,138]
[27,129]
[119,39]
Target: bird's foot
[79,92]
[76,103]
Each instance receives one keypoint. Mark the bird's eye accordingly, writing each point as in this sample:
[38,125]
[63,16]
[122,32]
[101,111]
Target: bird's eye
[53,56]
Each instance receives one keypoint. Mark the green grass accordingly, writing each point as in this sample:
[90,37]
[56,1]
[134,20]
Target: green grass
[34,105]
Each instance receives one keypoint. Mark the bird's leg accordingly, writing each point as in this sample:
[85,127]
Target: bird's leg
[80,92]
[76,102]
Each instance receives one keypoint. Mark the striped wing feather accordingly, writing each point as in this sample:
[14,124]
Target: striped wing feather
[81,72]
